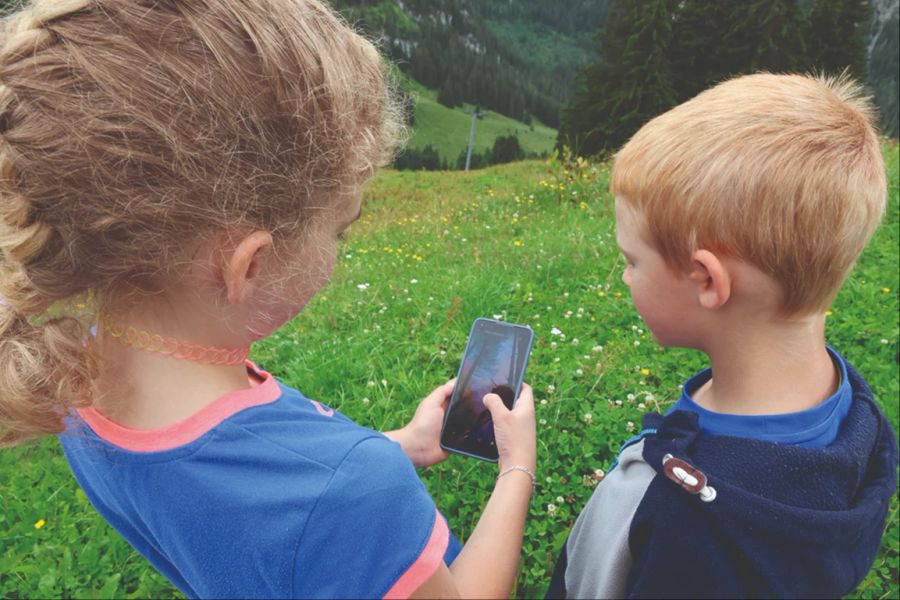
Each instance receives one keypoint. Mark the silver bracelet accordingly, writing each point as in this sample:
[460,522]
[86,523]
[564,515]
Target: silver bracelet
[518,468]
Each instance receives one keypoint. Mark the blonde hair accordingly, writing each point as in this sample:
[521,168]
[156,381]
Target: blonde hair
[782,171]
[129,126]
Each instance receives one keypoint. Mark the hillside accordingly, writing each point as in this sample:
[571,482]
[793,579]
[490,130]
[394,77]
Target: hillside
[516,58]
[519,58]
[447,129]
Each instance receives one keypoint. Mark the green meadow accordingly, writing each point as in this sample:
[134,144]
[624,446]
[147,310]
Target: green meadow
[530,242]
[447,129]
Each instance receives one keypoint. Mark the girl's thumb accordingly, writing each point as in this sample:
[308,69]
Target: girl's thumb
[494,404]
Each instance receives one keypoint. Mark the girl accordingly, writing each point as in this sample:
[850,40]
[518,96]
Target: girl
[183,168]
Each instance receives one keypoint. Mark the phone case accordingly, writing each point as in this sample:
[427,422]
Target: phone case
[517,387]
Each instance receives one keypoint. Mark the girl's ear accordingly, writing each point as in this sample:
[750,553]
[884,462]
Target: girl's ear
[241,267]
[712,279]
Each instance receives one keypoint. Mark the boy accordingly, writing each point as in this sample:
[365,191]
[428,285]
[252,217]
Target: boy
[740,213]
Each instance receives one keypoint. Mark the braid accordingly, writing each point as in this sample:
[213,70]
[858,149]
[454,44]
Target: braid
[43,369]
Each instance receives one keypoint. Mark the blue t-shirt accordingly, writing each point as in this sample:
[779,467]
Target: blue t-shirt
[815,427]
[264,494]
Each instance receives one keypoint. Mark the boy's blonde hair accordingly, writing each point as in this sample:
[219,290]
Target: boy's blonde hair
[129,127]
[782,171]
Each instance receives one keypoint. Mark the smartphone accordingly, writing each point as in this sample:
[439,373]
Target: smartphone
[494,362]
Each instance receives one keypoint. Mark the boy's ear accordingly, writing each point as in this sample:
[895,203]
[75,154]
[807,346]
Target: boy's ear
[241,267]
[712,279]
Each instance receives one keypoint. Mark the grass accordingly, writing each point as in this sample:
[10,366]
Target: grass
[438,250]
[447,129]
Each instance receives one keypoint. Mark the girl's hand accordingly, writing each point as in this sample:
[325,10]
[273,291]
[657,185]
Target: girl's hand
[420,438]
[514,429]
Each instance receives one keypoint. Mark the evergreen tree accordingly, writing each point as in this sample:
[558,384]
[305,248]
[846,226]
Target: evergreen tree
[835,36]
[700,55]
[506,149]
[767,36]
[629,85]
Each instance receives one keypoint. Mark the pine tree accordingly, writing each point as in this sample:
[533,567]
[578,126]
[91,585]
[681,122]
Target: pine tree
[835,36]
[628,86]
[699,54]
[767,36]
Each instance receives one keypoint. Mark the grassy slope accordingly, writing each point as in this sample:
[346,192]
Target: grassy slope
[447,129]
[438,250]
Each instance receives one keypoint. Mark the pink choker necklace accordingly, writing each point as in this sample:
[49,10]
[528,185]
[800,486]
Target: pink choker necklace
[168,346]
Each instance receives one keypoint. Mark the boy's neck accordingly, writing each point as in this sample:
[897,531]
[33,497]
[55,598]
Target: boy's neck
[769,368]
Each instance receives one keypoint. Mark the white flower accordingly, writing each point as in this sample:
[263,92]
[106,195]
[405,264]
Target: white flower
[630,397]
[384,382]
[579,372]
[543,402]
[554,330]
[553,344]
[588,417]
[562,337]
[642,407]
[498,317]
[618,403]
[634,327]
[884,341]
[637,343]
[574,341]
[362,286]
[629,427]
[543,421]
[414,281]
[650,397]
[560,499]
[371,384]
[551,388]
[365,400]
[551,508]
[598,473]
[597,348]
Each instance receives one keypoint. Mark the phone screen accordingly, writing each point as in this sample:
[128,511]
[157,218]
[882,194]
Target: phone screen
[494,362]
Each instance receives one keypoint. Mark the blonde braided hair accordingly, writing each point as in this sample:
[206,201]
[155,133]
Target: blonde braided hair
[130,126]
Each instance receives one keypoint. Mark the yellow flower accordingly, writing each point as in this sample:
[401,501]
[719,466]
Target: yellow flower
[645,371]
[828,313]
[886,290]
[39,523]
[601,294]
[517,243]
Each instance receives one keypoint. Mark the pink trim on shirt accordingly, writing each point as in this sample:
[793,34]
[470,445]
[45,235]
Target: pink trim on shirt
[189,429]
[424,567]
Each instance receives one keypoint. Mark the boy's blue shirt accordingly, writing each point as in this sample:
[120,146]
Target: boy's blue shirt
[283,499]
[812,428]
[788,520]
